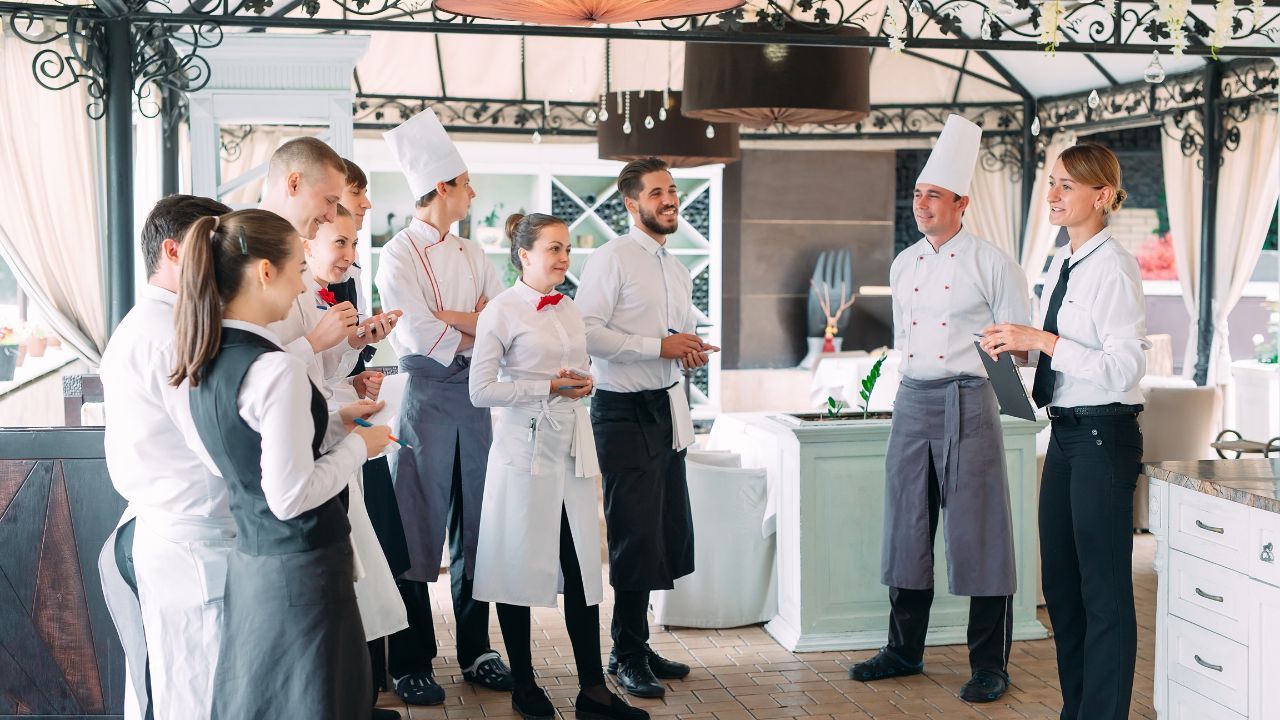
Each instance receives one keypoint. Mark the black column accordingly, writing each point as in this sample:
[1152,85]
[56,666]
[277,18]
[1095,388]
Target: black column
[1028,169]
[119,119]
[1211,153]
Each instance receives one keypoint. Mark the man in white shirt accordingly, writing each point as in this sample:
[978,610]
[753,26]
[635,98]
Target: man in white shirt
[177,530]
[441,282]
[636,300]
[946,450]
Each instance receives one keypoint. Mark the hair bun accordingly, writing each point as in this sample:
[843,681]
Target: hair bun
[1118,201]
[513,221]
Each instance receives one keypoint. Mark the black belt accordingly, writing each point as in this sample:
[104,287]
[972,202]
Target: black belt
[1094,410]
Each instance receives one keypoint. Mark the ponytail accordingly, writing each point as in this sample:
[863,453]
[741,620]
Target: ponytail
[215,253]
[198,313]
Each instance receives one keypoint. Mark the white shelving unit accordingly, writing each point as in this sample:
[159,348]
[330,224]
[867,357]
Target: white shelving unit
[568,180]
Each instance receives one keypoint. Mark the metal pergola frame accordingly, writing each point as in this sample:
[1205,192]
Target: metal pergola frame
[143,52]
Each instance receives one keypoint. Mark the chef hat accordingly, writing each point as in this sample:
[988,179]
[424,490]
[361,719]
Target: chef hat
[426,154]
[952,161]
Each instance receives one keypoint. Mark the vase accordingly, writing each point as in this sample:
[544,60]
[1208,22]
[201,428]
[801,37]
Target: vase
[8,361]
[36,346]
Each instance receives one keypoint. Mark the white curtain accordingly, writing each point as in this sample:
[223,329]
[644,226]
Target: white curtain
[49,222]
[254,150]
[1037,243]
[994,211]
[1248,187]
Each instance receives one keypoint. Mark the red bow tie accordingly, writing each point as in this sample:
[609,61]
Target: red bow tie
[552,299]
[326,296]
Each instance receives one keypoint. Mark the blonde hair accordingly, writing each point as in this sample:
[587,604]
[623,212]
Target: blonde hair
[1096,166]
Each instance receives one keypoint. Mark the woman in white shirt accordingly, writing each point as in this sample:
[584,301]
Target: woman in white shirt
[538,521]
[293,643]
[1091,357]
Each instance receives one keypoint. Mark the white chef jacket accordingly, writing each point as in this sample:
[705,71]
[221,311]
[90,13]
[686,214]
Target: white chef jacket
[327,367]
[153,452]
[420,272]
[632,291]
[943,297]
[275,402]
[1102,325]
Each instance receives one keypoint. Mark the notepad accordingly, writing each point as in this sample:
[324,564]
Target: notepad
[391,393]
[1007,383]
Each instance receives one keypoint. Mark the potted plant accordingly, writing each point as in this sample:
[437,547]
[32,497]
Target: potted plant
[835,408]
[36,342]
[490,232]
[8,352]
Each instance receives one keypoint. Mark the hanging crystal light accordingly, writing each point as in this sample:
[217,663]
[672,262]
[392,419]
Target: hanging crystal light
[1094,100]
[603,115]
[711,131]
[626,113]
[681,140]
[662,113]
[915,7]
[1035,126]
[592,116]
[648,122]
[1154,73]
[537,138]
[986,27]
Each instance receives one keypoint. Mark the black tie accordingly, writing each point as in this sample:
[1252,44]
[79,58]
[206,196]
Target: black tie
[1042,388]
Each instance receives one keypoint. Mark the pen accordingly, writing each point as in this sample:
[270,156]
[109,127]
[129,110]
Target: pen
[365,423]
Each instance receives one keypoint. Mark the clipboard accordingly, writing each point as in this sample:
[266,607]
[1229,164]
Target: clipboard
[1007,383]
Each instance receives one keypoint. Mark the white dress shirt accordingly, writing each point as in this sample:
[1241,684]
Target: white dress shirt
[153,452]
[275,401]
[632,291]
[420,272]
[943,297]
[327,367]
[1102,325]
[520,349]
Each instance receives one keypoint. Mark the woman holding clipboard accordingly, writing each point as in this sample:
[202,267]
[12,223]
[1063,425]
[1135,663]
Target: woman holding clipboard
[538,523]
[1090,358]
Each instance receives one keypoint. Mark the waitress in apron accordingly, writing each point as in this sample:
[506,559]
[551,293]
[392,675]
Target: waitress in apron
[292,637]
[538,521]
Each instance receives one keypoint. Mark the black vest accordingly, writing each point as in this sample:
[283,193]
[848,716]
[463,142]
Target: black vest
[345,291]
[237,451]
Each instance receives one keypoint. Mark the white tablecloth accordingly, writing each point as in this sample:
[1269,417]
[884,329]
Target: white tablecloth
[748,435]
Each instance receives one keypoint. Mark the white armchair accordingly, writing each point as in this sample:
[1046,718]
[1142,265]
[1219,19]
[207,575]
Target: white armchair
[733,582]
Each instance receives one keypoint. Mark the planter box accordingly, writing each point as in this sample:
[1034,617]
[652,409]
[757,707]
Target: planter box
[829,519]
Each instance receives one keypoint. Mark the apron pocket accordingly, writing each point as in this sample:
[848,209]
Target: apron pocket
[319,577]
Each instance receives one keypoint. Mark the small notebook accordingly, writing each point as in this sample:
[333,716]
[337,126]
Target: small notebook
[1007,383]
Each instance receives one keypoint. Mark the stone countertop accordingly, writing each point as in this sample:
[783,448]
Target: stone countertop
[1255,483]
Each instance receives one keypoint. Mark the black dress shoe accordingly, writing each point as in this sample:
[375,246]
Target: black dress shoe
[584,708]
[384,714]
[985,686]
[489,671]
[419,689]
[885,664]
[662,668]
[532,703]
[637,679]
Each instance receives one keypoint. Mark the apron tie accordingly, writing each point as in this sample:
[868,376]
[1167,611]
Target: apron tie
[544,413]
[681,418]
[583,445]
[950,479]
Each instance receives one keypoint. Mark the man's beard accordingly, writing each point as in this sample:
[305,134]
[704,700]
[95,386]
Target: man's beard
[654,225]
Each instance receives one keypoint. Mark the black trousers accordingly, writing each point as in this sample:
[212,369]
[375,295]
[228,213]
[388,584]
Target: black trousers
[630,627]
[580,619]
[990,617]
[1086,552]
[411,650]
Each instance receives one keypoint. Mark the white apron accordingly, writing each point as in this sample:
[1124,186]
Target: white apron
[181,567]
[381,608]
[532,473]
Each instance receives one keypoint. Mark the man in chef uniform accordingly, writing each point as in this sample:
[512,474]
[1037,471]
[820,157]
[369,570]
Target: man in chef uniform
[946,451]
[441,282]
[172,542]
[636,300]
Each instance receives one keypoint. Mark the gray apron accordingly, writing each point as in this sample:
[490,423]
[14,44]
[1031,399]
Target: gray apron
[439,421]
[955,422]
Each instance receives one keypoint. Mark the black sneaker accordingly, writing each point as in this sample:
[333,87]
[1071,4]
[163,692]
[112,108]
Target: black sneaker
[489,671]
[635,676]
[662,668]
[384,714]
[532,703]
[885,664]
[985,686]
[419,689]
[584,708]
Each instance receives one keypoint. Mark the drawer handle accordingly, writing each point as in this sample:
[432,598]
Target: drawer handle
[1211,666]
[1210,528]
[1267,555]
[1207,596]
